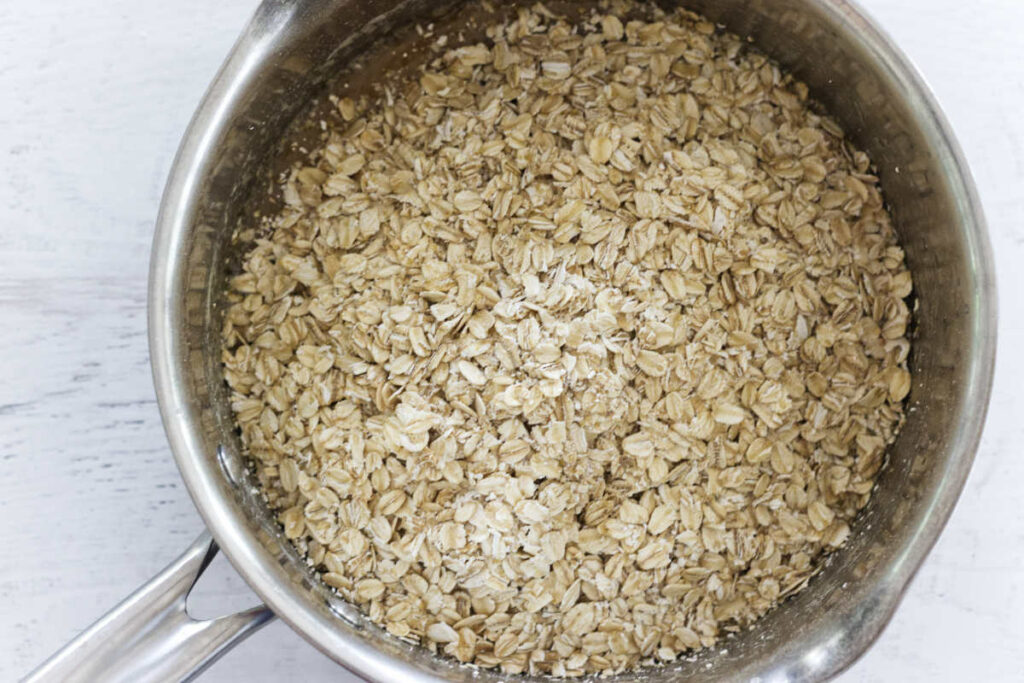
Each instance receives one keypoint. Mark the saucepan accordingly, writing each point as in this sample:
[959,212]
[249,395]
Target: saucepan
[282,60]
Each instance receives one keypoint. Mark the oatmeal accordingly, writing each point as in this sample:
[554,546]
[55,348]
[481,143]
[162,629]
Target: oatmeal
[577,352]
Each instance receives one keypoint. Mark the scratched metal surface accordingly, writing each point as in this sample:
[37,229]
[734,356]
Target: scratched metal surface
[93,100]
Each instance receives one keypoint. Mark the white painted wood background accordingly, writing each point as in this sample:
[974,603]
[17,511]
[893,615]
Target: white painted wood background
[94,97]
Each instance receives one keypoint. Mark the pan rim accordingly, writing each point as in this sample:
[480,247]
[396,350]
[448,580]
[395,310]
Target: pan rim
[204,480]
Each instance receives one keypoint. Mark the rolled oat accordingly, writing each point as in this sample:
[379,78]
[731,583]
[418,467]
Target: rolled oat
[576,353]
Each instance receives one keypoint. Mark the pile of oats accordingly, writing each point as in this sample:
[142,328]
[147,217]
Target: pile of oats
[576,353]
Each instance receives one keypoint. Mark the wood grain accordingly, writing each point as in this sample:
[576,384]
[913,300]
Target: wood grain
[93,100]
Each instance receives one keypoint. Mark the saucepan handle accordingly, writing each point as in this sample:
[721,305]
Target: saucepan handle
[150,636]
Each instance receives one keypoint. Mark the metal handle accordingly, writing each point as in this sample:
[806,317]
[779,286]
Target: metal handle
[150,636]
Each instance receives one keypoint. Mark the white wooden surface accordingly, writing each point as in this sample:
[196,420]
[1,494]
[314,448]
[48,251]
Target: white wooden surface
[93,100]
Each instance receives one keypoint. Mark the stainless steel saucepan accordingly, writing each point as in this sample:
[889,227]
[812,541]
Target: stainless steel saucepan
[280,62]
